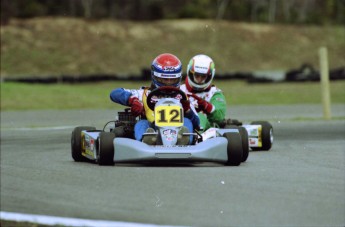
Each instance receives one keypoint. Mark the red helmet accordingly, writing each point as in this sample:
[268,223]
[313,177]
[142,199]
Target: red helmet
[166,70]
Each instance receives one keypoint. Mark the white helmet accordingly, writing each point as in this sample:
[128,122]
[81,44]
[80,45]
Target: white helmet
[200,72]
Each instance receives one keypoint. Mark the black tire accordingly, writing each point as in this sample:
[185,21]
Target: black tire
[245,143]
[244,138]
[266,135]
[76,143]
[105,154]
[234,148]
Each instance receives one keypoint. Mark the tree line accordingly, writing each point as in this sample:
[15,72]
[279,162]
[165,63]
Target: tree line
[257,11]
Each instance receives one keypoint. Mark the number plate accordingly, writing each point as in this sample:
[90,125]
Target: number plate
[168,116]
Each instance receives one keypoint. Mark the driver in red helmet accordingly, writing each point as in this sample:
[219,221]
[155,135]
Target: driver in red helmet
[166,70]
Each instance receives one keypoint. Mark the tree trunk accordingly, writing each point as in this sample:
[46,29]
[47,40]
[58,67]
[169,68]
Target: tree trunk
[87,6]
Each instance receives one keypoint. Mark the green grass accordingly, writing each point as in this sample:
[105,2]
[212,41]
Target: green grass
[5,223]
[239,93]
[19,96]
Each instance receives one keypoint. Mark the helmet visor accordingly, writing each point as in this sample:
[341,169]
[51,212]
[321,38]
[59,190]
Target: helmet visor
[199,78]
[167,81]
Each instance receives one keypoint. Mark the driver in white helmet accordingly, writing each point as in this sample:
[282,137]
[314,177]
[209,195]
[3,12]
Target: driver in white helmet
[166,70]
[209,100]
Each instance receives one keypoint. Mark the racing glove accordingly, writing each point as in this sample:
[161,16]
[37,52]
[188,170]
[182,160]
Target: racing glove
[185,105]
[137,107]
[203,105]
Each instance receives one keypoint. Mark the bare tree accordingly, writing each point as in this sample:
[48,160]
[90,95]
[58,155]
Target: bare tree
[272,11]
[257,7]
[72,8]
[340,5]
[287,10]
[222,4]
[303,9]
[87,6]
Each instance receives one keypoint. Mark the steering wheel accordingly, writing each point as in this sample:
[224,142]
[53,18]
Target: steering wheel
[164,91]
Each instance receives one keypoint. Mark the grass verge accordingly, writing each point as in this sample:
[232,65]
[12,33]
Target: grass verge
[19,96]
[5,223]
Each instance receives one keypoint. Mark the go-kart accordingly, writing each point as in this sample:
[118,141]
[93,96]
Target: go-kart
[116,144]
[257,135]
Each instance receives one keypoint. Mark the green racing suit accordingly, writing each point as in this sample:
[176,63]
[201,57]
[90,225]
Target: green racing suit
[214,96]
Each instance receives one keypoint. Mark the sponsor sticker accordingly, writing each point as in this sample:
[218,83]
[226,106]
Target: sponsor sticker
[169,68]
[252,141]
[169,134]
[253,132]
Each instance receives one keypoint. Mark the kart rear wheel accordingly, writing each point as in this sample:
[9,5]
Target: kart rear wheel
[245,141]
[234,148]
[105,155]
[266,135]
[76,143]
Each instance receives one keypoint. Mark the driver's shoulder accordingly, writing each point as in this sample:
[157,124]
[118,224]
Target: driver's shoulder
[215,89]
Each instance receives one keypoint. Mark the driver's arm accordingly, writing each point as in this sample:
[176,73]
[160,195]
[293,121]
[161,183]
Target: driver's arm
[190,112]
[121,96]
[193,116]
[219,113]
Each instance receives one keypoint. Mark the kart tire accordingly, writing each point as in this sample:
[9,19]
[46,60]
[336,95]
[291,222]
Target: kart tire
[266,135]
[76,143]
[245,143]
[245,140]
[234,148]
[105,155]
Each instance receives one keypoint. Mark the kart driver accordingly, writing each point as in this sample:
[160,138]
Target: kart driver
[166,70]
[209,100]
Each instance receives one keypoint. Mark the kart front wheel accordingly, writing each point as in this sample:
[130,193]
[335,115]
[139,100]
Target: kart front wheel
[266,135]
[105,155]
[76,143]
[245,141]
[234,148]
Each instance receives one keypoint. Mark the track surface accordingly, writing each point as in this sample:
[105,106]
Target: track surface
[300,182]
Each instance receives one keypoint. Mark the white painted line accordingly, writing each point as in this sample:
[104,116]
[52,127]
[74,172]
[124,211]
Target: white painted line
[51,220]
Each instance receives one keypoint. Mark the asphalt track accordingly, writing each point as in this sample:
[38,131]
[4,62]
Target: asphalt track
[300,182]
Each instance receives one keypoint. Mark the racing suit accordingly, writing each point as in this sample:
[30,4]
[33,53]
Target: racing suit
[122,96]
[212,95]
